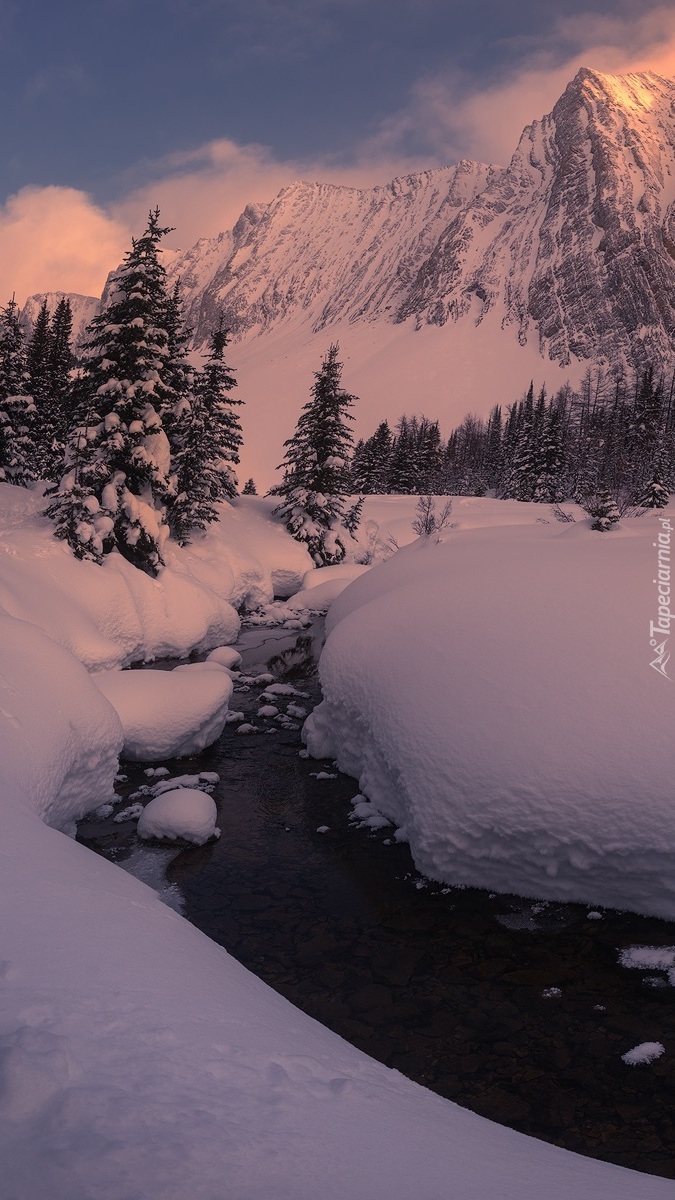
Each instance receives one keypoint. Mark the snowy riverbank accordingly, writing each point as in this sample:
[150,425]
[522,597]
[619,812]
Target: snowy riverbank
[139,1059]
[494,696]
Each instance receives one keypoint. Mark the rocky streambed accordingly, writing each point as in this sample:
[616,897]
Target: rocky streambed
[519,1010]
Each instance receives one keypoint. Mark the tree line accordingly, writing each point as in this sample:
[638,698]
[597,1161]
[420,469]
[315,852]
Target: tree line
[603,438]
[137,444]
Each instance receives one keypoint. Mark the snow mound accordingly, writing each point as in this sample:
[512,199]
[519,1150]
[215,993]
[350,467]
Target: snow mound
[323,585]
[59,737]
[168,714]
[493,697]
[225,656]
[180,813]
[343,572]
[114,614]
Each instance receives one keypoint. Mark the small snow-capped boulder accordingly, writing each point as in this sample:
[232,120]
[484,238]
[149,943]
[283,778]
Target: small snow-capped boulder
[182,813]
[225,656]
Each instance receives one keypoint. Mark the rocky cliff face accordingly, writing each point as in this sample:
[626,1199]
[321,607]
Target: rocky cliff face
[573,243]
[323,253]
[570,246]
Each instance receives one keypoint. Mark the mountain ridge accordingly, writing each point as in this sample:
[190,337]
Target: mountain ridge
[563,259]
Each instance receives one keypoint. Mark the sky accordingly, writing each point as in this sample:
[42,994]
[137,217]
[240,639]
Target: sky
[109,107]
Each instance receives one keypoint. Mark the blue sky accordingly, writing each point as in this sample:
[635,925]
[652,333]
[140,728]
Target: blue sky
[93,89]
[201,105]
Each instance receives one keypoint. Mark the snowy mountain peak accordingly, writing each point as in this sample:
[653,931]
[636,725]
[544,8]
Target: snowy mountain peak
[568,249]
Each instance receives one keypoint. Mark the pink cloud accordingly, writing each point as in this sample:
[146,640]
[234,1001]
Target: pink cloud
[56,239]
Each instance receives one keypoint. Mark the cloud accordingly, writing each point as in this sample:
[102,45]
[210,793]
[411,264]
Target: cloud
[203,191]
[56,239]
[452,118]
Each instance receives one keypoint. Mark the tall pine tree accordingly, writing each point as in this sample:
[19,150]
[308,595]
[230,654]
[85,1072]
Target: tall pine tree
[207,442]
[117,486]
[17,411]
[316,473]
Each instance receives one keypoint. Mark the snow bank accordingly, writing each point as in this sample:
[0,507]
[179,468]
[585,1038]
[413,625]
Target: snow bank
[168,714]
[185,813]
[59,737]
[138,1059]
[115,614]
[494,698]
[322,586]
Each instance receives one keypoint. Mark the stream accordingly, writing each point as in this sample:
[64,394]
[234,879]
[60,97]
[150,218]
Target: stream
[518,1010]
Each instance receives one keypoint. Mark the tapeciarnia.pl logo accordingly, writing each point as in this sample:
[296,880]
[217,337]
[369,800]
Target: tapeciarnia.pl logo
[662,624]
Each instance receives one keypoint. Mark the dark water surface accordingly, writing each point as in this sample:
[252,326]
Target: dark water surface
[515,1009]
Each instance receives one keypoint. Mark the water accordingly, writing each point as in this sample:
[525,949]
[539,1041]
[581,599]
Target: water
[515,1009]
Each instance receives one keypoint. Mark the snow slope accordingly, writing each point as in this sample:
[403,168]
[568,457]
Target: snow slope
[113,615]
[494,698]
[138,1060]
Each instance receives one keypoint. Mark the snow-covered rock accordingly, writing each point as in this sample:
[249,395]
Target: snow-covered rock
[323,585]
[168,714]
[494,698]
[226,656]
[185,813]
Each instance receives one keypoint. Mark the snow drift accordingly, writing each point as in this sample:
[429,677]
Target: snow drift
[114,614]
[494,698]
[137,1058]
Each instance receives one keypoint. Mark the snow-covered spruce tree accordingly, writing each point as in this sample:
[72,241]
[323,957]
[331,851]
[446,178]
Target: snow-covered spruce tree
[117,483]
[316,476]
[655,494]
[17,411]
[249,488]
[604,510]
[207,439]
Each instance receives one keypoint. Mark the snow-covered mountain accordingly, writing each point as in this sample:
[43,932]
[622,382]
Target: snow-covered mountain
[571,245]
[83,309]
[450,289]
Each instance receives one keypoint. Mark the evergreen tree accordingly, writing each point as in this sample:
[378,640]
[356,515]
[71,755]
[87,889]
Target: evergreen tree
[49,423]
[403,464]
[38,358]
[550,484]
[61,357]
[208,438]
[655,494]
[316,474]
[604,511]
[17,410]
[117,485]
[371,462]
[249,488]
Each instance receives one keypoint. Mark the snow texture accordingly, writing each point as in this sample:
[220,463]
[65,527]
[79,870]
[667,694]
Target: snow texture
[646,1052]
[493,697]
[138,1059]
